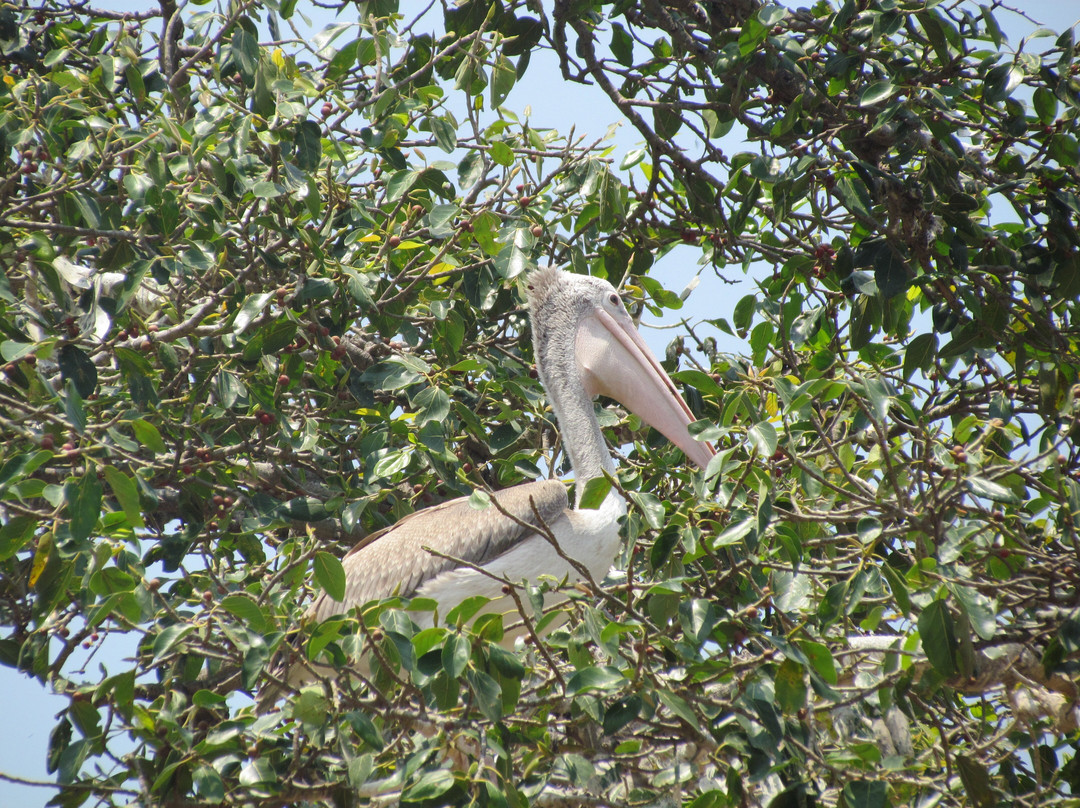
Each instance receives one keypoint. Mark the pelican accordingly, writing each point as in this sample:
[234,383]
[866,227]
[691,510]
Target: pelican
[585,345]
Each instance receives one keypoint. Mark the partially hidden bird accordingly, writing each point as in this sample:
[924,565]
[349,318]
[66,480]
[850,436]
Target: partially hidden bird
[585,345]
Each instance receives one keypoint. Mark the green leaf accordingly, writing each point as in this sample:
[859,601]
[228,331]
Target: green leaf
[488,694]
[1001,81]
[513,258]
[441,220]
[208,784]
[855,197]
[679,707]
[920,353]
[869,529]
[667,119]
[503,77]
[400,184]
[805,326]
[596,491]
[821,660]
[621,712]
[252,307]
[110,580]
[982,487]
[937,630]
[430,786]
[876,93]
[1046,105]
[735,533]
[466,610]
[501,153]
[479,500]
[246,609]
[445,133]
[74,408]
[433,404]
[308,143]
[264,189]
[651,508]
[763,438]
[21,465]
[304,509]
[596,679]
[127,495]
[898,587]
[169,637]
[579,771]
[470,169]
[366,729]
[753,34]
[147,434]
[743,315]
[84,505]
[865,794]
[245,55]
[390,464]
[622,44]
[78,368]
[15,534]
[790,684]
[455,655]
[772,14]
[256,772]
[330,575]
[892,275]
[256,655]
[698,617]
[14,351]
[977,783]
[700,381]
[981,610]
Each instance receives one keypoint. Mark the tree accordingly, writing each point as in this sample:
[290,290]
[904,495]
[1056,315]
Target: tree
[261,298]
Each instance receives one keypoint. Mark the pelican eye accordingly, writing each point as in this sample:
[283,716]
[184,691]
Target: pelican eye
[614,299]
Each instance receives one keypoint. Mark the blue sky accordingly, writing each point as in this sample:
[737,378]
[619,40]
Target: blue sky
[29,712]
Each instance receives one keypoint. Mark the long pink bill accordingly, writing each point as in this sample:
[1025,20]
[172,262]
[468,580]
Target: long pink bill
[616,362]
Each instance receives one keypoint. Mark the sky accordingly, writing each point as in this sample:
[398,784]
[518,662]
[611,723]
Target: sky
[29,713]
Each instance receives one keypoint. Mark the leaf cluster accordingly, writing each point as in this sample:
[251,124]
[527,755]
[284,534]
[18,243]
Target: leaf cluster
[261,299]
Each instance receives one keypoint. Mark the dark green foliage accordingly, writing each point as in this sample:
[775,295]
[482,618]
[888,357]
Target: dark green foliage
[261,300]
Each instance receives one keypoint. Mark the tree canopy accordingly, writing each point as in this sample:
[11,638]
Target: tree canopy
[262,296]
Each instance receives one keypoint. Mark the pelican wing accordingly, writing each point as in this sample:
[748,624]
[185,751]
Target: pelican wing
[392,561]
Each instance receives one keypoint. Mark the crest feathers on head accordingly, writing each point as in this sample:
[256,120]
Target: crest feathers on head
[540,284]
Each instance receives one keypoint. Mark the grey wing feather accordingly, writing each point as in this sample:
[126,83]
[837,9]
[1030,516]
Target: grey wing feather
[394,561]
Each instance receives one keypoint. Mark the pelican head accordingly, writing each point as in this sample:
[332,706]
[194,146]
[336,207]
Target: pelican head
[584,338]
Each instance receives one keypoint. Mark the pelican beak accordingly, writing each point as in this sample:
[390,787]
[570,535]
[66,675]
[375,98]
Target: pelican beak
[615,361]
